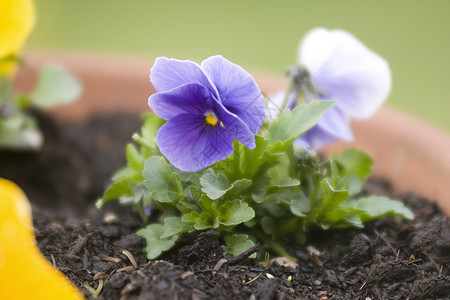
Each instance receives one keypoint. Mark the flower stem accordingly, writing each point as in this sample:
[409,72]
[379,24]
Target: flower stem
[274,246]
[237,158]
[293,165]
[289,227]
[287,93]
[141,141]
[309,91]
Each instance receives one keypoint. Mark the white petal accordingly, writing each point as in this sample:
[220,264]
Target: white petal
[315,48]
[350,73]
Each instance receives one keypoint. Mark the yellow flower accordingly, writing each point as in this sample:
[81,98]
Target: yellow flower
[24,272]
[16,21]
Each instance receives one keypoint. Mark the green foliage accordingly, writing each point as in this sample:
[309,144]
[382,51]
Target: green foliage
[273,193]
[374,207]
[128,183]
[160,181]
[55,86]
[155,243]
[237,243]
[19,129]
[217,186]
[235,212]
[292,124]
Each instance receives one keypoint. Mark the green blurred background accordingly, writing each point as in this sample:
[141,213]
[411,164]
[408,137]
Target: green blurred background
[412,35]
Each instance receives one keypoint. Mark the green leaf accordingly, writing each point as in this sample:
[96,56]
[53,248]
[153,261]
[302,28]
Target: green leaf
[375,207]
[118,189]
[284,184]
[186,207]
[55,86]
[248,163]
[331,197]
[139,200]
[192,193]
[289,125]
[235,212]
[354,221]
[201,221]
[355,166]
[356,212]
[215,186]
[300,205]
[134,158]
[268,225]
[256,161]
[237,243]
[207,204]
[175,225]
[334,172]
[259,197]
[155,244]
[342,217]
[152,123]
[191,217]
[355,162]
[206,221]
[164,185]
[192,178]
[126,173]
[237,188]
[127,186]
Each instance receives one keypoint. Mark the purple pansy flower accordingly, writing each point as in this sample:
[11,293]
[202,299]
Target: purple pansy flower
[206,107]
[340,68]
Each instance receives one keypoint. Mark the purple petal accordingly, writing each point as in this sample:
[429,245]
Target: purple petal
[188,98]
[350,73]
[337,124]
[238,91]
[148,210]
[167,74]
[190,144]
[234,126]
[332,127]
[316,138]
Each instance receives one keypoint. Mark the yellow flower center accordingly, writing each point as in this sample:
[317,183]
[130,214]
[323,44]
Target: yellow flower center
[210,119]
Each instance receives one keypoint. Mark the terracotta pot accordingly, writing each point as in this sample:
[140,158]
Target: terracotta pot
[412,155]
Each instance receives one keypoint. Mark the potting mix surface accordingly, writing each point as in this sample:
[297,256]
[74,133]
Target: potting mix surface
[99,252]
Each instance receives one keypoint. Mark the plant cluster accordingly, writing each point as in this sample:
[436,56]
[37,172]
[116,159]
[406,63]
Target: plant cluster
[217,156]
[18,127]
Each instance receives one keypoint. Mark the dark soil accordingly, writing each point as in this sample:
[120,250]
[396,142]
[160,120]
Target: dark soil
[389,259]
